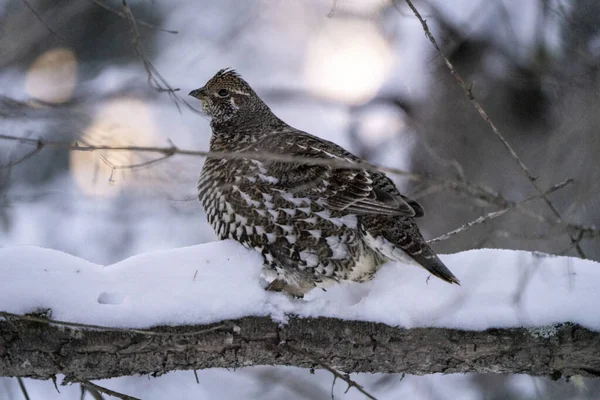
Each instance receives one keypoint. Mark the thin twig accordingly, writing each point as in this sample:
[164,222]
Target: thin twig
[107,391]
[105,6]
[314,358]
[23,388]
[24,158]
[498,213]
[332,387]
[155,80]
[38,16]
[93,392]
[469,92]
[31,318]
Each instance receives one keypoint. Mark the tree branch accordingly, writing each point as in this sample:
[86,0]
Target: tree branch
[41,350]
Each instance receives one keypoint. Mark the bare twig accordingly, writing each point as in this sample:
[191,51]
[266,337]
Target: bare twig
[105,6]
[498,213]
[469,92]
[314,358]
[8,316]
[23,388]
[107,391]
[38,16]
[93,392]
[155,80]
[24,158]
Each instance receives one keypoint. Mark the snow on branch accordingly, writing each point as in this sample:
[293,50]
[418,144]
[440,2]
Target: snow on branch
[30,348]
[207,308]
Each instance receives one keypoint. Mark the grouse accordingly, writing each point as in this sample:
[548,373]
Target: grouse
[317,213]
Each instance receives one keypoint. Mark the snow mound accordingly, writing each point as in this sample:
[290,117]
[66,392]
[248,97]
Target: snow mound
[221,280]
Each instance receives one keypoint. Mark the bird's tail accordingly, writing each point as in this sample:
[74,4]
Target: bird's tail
[401,240]
[427,259]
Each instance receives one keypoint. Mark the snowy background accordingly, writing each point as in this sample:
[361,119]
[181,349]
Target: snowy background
[361,74]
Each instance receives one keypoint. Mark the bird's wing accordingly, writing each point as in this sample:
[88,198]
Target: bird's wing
[355,190]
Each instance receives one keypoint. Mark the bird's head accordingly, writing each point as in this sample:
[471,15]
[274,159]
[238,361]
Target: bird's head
[226,96]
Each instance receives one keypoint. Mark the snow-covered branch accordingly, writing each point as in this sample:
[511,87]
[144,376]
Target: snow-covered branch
[205,307]
[40,350]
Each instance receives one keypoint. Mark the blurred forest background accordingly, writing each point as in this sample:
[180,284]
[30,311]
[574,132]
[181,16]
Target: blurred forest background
[358,72]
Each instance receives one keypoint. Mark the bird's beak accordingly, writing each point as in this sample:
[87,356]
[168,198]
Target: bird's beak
[197,93]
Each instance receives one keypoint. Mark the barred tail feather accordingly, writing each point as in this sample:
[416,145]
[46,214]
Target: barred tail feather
[431,262]
[415,253]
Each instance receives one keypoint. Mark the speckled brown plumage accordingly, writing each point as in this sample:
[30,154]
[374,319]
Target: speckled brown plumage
[317,213]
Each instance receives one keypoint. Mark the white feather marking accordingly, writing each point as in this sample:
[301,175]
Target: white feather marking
[332,241]
[267,178]
[338,248]
[241,219]
[271,237]
[309,258]
[387,249]
[286,228]
[274,213]
[289,211]
[239,231]
[297,201]
[329,269]
[310,220]
[325,214]
[316,233]
[260,212]
[259,230]
[291,239]
[248,199]
[349,220]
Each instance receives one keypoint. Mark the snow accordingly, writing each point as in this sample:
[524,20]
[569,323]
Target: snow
[221,280]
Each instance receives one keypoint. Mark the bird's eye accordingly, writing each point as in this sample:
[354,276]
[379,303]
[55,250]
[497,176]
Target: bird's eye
[223,92]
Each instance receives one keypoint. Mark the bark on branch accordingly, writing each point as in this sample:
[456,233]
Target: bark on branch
[41,350]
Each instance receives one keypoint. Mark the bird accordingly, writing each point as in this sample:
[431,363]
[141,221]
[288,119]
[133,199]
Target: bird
[317,213]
